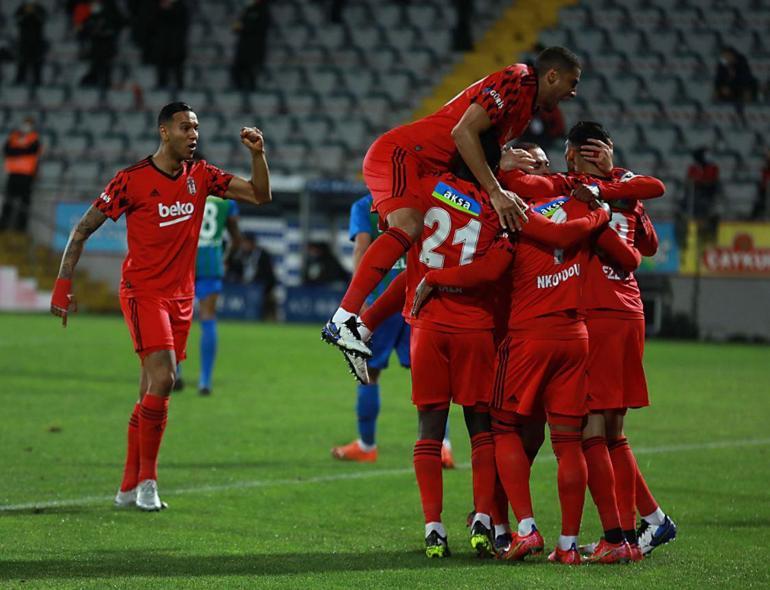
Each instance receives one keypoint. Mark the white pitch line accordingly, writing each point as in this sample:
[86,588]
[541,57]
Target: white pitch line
[261,483]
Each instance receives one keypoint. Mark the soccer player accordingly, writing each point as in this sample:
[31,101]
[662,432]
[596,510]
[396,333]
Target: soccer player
[163,198]
[503,101]
[452,338]
[620,184]
[218,215]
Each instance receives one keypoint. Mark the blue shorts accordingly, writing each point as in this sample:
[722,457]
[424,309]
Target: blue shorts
[393,334]
[207,286]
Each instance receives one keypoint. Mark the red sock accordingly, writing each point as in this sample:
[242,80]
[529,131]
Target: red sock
[427,467]
[624,465]
[500,504]
[152,423]
[390,302]
[645,501]
[572,478]
[513,469]
[131,469]
[378,259]
[601,481]
[484,472]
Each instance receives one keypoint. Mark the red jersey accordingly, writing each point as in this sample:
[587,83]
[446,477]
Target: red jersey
[508,97]
[163,220]
[460,225]
[608,286]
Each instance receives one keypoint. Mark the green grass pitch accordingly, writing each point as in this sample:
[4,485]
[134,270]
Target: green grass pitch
[257,502]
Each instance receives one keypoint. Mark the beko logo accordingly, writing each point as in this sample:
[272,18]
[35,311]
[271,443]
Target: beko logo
[178,211]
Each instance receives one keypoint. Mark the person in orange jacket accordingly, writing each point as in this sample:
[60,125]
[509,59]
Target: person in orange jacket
[22,154]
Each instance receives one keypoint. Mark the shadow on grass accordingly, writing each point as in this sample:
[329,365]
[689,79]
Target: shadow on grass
[158,564]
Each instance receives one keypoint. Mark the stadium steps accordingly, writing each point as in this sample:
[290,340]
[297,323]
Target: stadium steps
[35,267]
[514,33]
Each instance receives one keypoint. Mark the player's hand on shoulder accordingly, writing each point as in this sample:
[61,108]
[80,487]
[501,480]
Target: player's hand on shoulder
[510,208]
[253,139]
[421,295]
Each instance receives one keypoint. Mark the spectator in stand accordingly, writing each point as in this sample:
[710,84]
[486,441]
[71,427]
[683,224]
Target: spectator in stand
[101,31]
[703,186]
[249,58]
[31,46]
[22,154]
[734,81]
[321,267]
[252,264]
[171,25]
[462,38]
[79,11]
[762,204]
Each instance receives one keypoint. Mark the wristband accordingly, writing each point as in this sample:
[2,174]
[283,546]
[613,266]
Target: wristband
[61,294]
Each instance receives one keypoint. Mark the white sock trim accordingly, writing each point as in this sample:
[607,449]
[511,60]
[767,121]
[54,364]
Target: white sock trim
[365,447]
[435,526]
[657,518]
[502,529]
[485,519]
[525,526]
[341,315]
[567,541]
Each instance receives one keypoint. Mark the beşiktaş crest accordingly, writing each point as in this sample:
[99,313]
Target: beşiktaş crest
[191,185]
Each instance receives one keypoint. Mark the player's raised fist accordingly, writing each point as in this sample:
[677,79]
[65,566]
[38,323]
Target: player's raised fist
[252,138]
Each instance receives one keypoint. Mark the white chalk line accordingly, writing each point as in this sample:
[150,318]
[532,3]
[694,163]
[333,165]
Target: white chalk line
[372,474]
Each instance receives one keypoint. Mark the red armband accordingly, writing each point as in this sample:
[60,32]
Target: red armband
[61,294]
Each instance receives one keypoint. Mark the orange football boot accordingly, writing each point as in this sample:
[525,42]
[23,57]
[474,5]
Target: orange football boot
[521,546]
[610,553]
[447,460]
[568,557]
[354,452]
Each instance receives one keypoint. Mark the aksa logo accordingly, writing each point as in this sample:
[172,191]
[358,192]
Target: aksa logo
[456,199]
[191,185]
[179,211]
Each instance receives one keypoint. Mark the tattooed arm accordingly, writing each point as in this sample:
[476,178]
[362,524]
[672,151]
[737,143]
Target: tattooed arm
[62,301]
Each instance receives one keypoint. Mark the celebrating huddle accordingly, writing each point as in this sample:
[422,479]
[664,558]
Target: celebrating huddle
[524,310]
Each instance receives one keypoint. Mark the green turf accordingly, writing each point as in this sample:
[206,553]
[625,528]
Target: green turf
[256,501]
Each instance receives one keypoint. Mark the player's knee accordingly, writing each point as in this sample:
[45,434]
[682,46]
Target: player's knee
[162,381]
[533,437]
[476,420]
[431,422]
[594,426]
[410,221]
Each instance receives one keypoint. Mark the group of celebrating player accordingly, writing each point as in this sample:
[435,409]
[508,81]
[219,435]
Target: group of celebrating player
[523,308]
[518,289]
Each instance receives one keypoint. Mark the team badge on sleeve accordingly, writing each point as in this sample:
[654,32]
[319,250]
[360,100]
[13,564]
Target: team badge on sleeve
[457,200]
[191,185]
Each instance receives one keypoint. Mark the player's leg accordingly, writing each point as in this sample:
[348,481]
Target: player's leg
[612,548]
[391,174]
[208,344]
[427,468]
[656,528]
[572,477]
[126,496]
[484,477]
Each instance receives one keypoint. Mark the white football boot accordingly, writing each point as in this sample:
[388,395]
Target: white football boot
[147,498]
[125,499]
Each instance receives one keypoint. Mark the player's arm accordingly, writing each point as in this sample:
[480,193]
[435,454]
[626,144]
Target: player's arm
[568,234]
[619,253]
[485,269]
[533,185]
[62,300]
[509,206]
[630,186]
[361,242]
[256,190]
[645,237]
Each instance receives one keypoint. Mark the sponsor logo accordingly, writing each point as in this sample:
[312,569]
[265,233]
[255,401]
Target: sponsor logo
[495,96]
[191,185]
[457,200]
[450,290]
[178,211]
[105,197]
[549,209]
[555,279]
[742,257]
